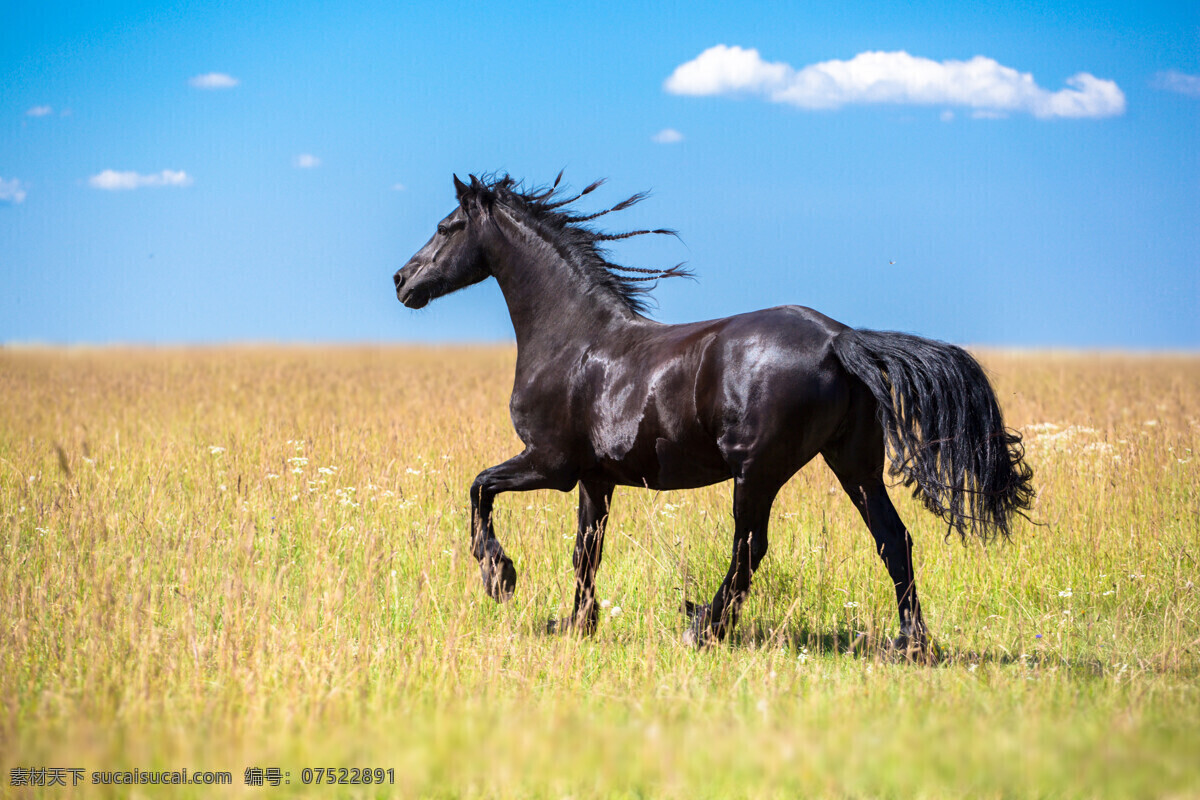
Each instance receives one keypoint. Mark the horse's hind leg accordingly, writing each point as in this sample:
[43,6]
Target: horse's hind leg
[859,467]
[751,513]
[895,548]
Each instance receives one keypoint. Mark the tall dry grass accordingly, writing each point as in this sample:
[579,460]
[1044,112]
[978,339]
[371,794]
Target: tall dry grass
[226,558]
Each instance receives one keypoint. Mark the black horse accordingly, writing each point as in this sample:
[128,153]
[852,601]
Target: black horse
[604,396]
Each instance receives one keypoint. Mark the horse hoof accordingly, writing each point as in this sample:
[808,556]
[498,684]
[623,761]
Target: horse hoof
[917,647]
[569,626]
[499,578]
[698,632]
[696,637]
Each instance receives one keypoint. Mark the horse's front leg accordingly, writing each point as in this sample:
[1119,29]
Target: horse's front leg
[525,472]
[594,502]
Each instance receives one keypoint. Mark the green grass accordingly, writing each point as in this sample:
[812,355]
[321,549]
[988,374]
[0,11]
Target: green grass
[219,559]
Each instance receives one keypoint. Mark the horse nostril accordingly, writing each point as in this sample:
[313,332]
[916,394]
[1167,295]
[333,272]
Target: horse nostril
[398,279]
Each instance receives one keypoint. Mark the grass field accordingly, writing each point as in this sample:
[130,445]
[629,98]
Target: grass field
[233,558]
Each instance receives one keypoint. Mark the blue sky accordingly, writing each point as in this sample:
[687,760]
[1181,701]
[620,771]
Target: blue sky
[212,172]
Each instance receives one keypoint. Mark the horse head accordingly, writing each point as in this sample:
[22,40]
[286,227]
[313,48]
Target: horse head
[453,258]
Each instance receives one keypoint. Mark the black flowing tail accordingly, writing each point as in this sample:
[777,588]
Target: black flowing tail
[943,428]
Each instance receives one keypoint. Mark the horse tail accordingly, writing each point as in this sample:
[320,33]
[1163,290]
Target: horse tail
[943,428]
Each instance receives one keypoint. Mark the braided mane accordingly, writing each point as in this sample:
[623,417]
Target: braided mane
[546,208]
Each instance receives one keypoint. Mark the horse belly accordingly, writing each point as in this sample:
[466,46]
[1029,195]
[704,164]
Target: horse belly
[660,445]
[682,467]
[664,464]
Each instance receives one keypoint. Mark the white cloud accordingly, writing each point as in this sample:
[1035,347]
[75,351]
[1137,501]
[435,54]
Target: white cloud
[213,80]
[307,161]
[728,70]
[1175,81]
[668,136]
[111,180]
[11,191]
[398,187]
[39,111]
[947,116]
[981,83]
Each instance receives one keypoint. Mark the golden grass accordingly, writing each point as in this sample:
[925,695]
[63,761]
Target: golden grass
[227,558]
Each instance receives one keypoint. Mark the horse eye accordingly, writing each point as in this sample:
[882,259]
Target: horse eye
[443,230]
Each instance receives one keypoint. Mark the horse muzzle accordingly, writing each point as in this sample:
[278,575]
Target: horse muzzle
[407,292]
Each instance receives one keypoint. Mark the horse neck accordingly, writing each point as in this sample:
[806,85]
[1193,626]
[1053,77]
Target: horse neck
[552,303]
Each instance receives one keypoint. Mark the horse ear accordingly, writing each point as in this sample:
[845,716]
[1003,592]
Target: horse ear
[476,183]
[460,188]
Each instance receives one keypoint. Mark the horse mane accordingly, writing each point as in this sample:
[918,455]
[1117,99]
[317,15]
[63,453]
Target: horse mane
[570,234]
